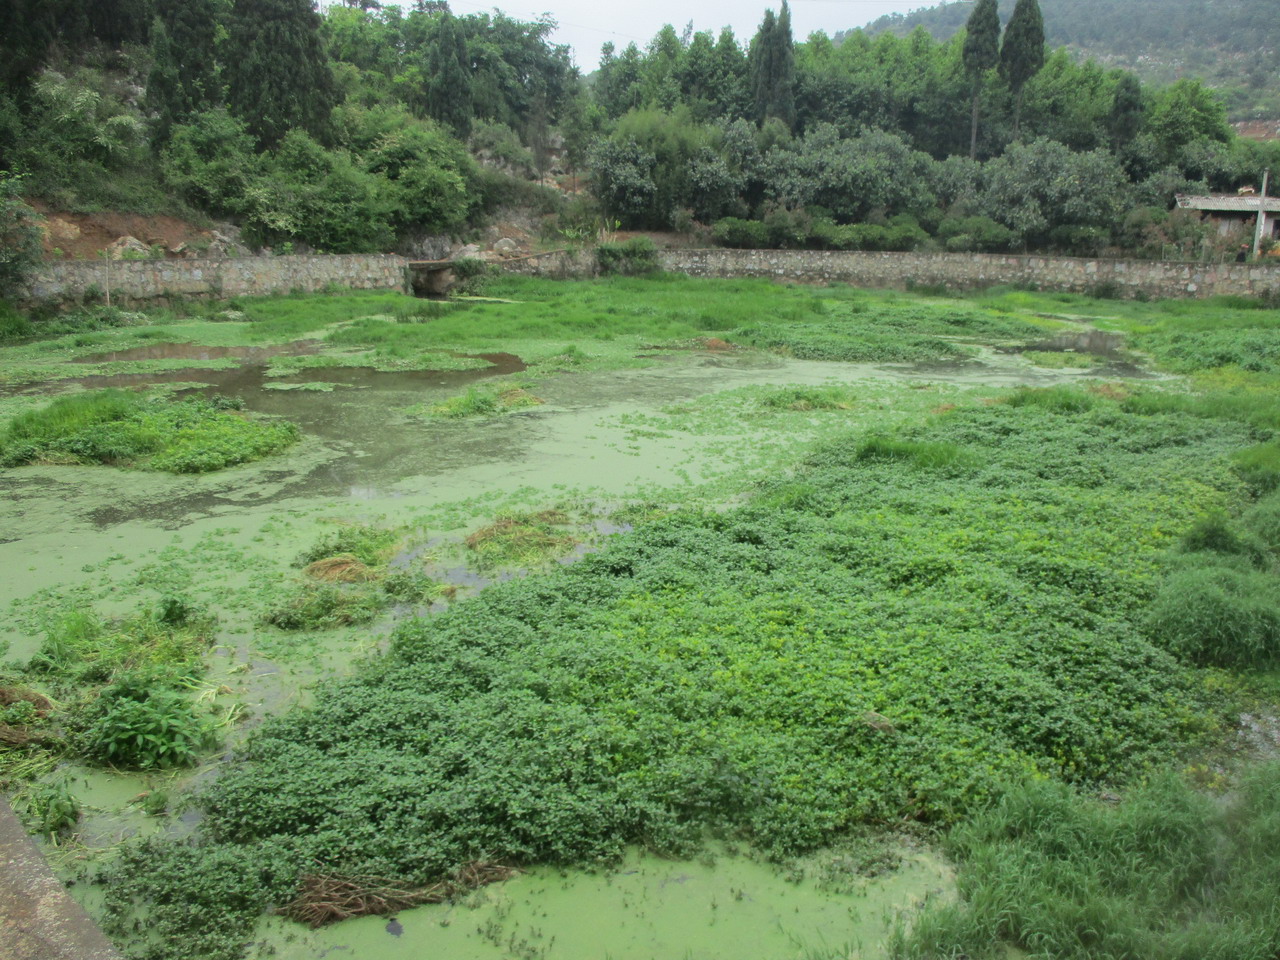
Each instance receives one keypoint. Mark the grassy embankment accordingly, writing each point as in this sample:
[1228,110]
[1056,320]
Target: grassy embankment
[1069,589]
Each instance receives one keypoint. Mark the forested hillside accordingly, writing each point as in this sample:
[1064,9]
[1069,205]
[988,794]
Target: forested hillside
[1231,44]
[367,130]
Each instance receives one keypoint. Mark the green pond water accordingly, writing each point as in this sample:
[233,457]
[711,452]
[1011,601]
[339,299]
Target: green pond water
[688,428]
[721,908]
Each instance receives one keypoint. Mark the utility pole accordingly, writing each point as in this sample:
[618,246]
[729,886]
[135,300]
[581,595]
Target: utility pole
[1262,215]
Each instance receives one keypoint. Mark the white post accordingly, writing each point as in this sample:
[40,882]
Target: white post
[1262,215]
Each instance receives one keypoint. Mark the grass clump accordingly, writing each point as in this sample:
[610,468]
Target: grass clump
[1166,874]
[1217,615]
[322,607]
[522,538]
[348,580]
[1259,466]
[367,545]
[479,402]
[82,648]
[923,454]
[120,428]
[1055,399]
[810,398]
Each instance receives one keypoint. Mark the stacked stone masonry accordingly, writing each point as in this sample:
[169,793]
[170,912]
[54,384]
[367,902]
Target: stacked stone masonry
[141,281]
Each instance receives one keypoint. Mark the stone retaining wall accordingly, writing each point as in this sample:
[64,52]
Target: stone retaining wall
[956,271]
[136,281]
[1128,278]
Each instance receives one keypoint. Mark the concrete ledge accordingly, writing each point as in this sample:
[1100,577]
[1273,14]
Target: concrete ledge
[38,918]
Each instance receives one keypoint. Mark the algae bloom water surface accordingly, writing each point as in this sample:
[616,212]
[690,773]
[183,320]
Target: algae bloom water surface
[729,908]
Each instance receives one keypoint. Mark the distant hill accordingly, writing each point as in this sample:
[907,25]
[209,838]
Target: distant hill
[1233,45]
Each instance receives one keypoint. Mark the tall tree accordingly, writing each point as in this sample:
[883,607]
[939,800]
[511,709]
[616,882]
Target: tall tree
[1022,53]
[981,53]
[1125,117]
[277,72]
[449,76]
[773,68]
[184,72]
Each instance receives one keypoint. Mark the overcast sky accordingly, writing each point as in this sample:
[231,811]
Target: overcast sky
[586,24]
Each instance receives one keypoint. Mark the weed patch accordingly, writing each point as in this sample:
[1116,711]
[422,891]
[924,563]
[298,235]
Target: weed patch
[478,402]
[1167,873]
[879,637]
[522,538]
[133,430]
[810,398]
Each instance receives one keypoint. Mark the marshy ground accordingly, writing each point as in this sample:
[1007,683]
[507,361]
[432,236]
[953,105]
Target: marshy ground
[713,607]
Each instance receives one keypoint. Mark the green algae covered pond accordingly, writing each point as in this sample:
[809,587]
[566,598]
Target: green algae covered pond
[695,613]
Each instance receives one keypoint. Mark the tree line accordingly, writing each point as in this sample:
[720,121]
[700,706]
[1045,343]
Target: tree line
[356,129]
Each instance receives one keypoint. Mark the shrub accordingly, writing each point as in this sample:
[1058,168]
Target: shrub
[975,234]
[629,258]
[19,237]
[740,234]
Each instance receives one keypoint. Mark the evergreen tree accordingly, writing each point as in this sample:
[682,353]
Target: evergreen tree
[276,69]
[184,73]
[981,53]
[1022,53]
[773,69]
[1125,118]
[449,76]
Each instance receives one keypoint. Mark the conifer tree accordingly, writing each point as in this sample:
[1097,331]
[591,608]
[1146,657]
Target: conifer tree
[1022,53]
[449,76]
[184,73]
[276,69]
[981,53]
[773,69]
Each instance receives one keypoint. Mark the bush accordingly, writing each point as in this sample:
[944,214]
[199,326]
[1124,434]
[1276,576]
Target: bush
[19,241]
[629,258]
[740,234]
[975,234]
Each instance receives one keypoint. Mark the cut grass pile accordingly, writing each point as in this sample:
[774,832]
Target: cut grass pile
[120,428]
[898,630]
[522,539]
[347,579]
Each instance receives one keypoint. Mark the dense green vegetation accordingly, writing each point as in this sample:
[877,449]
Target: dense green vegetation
[390,124]
[125,429]
[900,629]
[1161,40]
[1166,873]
